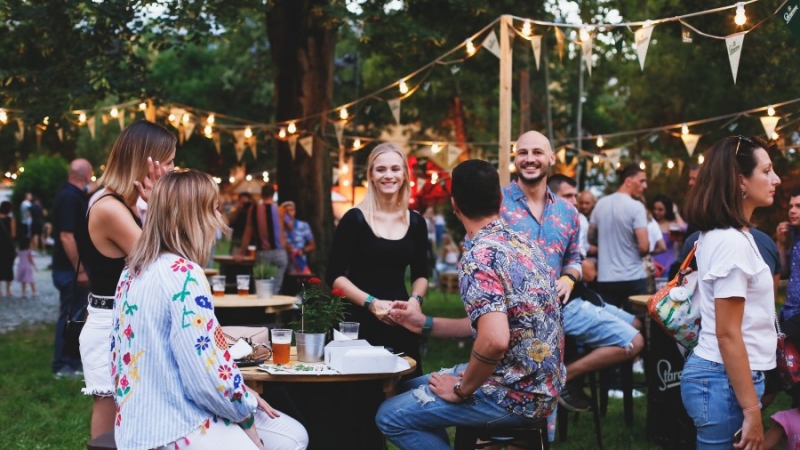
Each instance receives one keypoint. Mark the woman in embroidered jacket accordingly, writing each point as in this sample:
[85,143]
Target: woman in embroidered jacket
[176,385]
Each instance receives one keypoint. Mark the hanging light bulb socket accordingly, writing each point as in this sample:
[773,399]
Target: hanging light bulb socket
[142,106]
[770,111]
[211,119]
[600,141]
[3,116]
[526,28]
[470,47]
[292,128]
[282,133]
[740,18]
[248,133]
[114,112]
[357,144]
[684,129]
[82,117]
[343,113]
[403,87]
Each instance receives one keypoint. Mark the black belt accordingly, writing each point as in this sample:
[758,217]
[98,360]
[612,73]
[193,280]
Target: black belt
[101,302]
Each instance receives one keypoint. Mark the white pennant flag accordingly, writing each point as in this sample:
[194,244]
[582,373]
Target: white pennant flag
[308,144]
[656,167]
[20,135]
[339,127]
[175,116]
[562,155]
[643,42]
[292,145]
[769,123]
[60,133]
[612,156]
[104,119]
[680,166]
[586,47]
[490,43]
[536,44]
[91,122]
[690,141]
[240,144]
[394,105]
[252,144]
[453,153]
[733,43]
[121,119]
[188,128]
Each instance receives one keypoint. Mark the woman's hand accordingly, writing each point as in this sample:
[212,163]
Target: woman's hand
[782,234]
[263,405]
[155,171]
[381,310]
[752,431]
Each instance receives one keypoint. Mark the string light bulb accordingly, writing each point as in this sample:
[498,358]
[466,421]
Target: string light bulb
[435,148]
[343,113]
[282,133]
[171,117]
[701,159]
[775,136]
[46,120]
[584,35]
[82,117]
[114,112]
[292,128]
[248,133]
[596,160]
[526,28]
[185,118]
[3,116]
[740,18]
[142,106]
[642,165]
[208,130]
[232,180]
[357,143]
[344,169]
[770,111]
[403,87]
[512,167]
[470,47]
[211,119]
[670,164]
[249,178]
[684,129]
[600,141]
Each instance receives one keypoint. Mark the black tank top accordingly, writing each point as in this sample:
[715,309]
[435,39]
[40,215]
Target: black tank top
[103,271]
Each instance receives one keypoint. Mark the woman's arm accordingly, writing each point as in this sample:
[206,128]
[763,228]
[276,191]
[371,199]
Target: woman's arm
[112,228]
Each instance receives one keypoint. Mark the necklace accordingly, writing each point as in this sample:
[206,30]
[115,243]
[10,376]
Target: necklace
[751,243]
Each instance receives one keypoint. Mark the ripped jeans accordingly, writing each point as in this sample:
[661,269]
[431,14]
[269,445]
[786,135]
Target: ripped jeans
[417,418]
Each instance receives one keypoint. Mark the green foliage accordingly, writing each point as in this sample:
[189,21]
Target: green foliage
[42,177]
[321,308]
[264,271]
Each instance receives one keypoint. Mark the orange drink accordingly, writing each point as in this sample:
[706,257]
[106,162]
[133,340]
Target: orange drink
[281,342]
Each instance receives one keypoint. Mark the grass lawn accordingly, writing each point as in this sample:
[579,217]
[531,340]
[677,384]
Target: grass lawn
[40,412]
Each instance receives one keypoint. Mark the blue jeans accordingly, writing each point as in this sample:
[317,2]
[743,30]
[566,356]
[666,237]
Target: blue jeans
[710,401]
[417,418]
[72,300]
[596,326]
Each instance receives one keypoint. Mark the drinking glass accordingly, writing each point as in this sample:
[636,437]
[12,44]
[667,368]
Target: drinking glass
[218,285]
[281,342]
[251,251]
[243,284]
[349,329]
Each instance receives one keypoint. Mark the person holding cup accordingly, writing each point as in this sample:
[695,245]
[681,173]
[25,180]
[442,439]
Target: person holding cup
[175,383]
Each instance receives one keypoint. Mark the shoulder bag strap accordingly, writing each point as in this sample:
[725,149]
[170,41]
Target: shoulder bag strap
[678,280]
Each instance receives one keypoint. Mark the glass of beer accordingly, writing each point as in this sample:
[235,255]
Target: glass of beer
[251,251]
[218,285]
[243,284]
[281,342]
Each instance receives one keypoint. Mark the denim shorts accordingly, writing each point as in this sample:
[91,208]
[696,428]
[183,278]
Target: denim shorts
[710,401]
[597,326]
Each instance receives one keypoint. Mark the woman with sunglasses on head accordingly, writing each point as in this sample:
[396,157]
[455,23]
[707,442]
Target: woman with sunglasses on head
[723,378]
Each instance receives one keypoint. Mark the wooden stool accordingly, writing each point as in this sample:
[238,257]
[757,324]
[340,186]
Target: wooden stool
[448,283]
[571,354]
[531,437]
[103,442]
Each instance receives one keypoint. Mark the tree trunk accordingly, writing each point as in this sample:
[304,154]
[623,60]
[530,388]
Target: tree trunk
[302,40]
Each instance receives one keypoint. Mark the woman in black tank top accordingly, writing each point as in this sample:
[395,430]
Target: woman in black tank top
[142,153]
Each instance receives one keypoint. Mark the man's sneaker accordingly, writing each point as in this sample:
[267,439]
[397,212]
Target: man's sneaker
[617,393]
[68,373]
[638,366]
[574,399]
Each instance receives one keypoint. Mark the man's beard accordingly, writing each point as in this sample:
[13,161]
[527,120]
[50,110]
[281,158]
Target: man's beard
[533,180]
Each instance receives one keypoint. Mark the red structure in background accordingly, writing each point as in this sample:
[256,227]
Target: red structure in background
[424,193]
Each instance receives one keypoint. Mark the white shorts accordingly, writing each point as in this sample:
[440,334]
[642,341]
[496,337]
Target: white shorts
[95,344]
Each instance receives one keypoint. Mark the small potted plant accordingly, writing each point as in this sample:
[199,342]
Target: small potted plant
[320,310]
[264,275]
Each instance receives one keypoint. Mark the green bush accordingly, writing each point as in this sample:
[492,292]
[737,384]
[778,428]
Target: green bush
[42,177]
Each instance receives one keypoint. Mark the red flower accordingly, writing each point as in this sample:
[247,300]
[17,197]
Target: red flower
[314,280]
[123,382]
[337,292]
[126,358]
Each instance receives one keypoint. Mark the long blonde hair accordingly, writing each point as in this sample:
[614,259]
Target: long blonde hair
[128,159]
[370,202]
[182,218]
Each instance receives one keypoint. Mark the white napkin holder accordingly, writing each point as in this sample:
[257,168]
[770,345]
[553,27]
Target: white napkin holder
[358,356]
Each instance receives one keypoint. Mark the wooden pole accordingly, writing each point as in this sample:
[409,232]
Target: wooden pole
[504,130]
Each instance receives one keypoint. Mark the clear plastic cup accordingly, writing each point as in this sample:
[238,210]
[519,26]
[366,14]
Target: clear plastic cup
[218,285]
[349,329]
[243,284]
[281,344]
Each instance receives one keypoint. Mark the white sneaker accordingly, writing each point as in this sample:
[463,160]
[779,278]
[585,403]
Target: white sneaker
[616,393]
[638,367]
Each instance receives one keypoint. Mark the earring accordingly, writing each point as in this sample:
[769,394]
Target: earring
[744,194]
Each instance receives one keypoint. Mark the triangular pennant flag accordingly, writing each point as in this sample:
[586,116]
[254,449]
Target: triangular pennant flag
[734,45]
[308,144]
[586,47]
[490,43]
[240,143]
[293,145]
[104,119]
[426,86]
[791,18]
[394,105]
[338,126]
[589,165]
[686,34]
[769,123]
[656,169]
[60,133]
[367,109]
[175,116]
[562,155]
[215,138]
[453,153]
[642,42]
[612,156]
[180,135]
[91,122]
[680,166]
[150,113]
[252,144]
[121,119]
[20,135]
[188,129]
[536,44]
[39,135]
[560,38]
[690,141]
[454,69]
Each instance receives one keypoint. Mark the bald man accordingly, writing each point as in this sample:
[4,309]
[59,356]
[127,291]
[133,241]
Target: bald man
[586,203]
[69,215]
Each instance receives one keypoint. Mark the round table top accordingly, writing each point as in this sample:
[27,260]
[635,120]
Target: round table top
[254,374]
[639,299]
[228,259]
[251,301]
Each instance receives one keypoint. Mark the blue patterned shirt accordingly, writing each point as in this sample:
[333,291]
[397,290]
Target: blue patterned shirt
[298,238]
[792,306]
[559,233]
[502,271]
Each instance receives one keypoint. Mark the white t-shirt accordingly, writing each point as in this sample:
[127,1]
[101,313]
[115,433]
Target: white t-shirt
[729,265]
[583,235]
[617,217]
[654,234]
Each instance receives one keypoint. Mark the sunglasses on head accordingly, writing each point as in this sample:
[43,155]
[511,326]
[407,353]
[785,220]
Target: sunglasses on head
[739,140]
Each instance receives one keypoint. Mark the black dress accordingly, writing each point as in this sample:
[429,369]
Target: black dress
[377,266]
[7,250]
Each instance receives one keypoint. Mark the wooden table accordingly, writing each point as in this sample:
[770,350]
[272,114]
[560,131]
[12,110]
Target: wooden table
[639,302]
[228,260]
[277,304]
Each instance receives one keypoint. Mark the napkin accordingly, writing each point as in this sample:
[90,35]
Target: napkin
[337,336]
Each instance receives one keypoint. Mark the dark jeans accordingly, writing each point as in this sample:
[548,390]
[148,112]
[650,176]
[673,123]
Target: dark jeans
[72,299]
[617,292]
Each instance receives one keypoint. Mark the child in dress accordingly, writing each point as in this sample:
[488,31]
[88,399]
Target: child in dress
[26,266]
[785,425]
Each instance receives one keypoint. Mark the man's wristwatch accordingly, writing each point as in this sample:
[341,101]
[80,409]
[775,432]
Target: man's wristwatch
[461,395]
[419,298]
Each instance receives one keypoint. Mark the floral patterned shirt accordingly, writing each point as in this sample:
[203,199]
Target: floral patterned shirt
[792,306]
[503,271]
[298,238]
[169,359]
[558,235]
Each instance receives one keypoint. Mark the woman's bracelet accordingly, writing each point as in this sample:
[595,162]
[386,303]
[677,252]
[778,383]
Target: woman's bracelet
[368,301]
[750,408]
[569,280]
[428,327]
[246,424]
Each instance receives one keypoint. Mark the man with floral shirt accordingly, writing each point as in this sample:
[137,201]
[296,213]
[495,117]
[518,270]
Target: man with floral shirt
[513,313]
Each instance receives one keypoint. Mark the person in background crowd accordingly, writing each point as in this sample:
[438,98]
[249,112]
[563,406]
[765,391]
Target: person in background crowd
[299,239]
[237,219]
[175,387]
[567,188]
[586,202]
[374,244]
[26,267]
[69,209]
[25,214]
[515,371]
[618,227]
[723,378]
[430,223]
[449,255]
[785,426]
[8,234]
[788,234]
[694,169]
[37,213]
[264,228]
[672,229]
[142,153]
